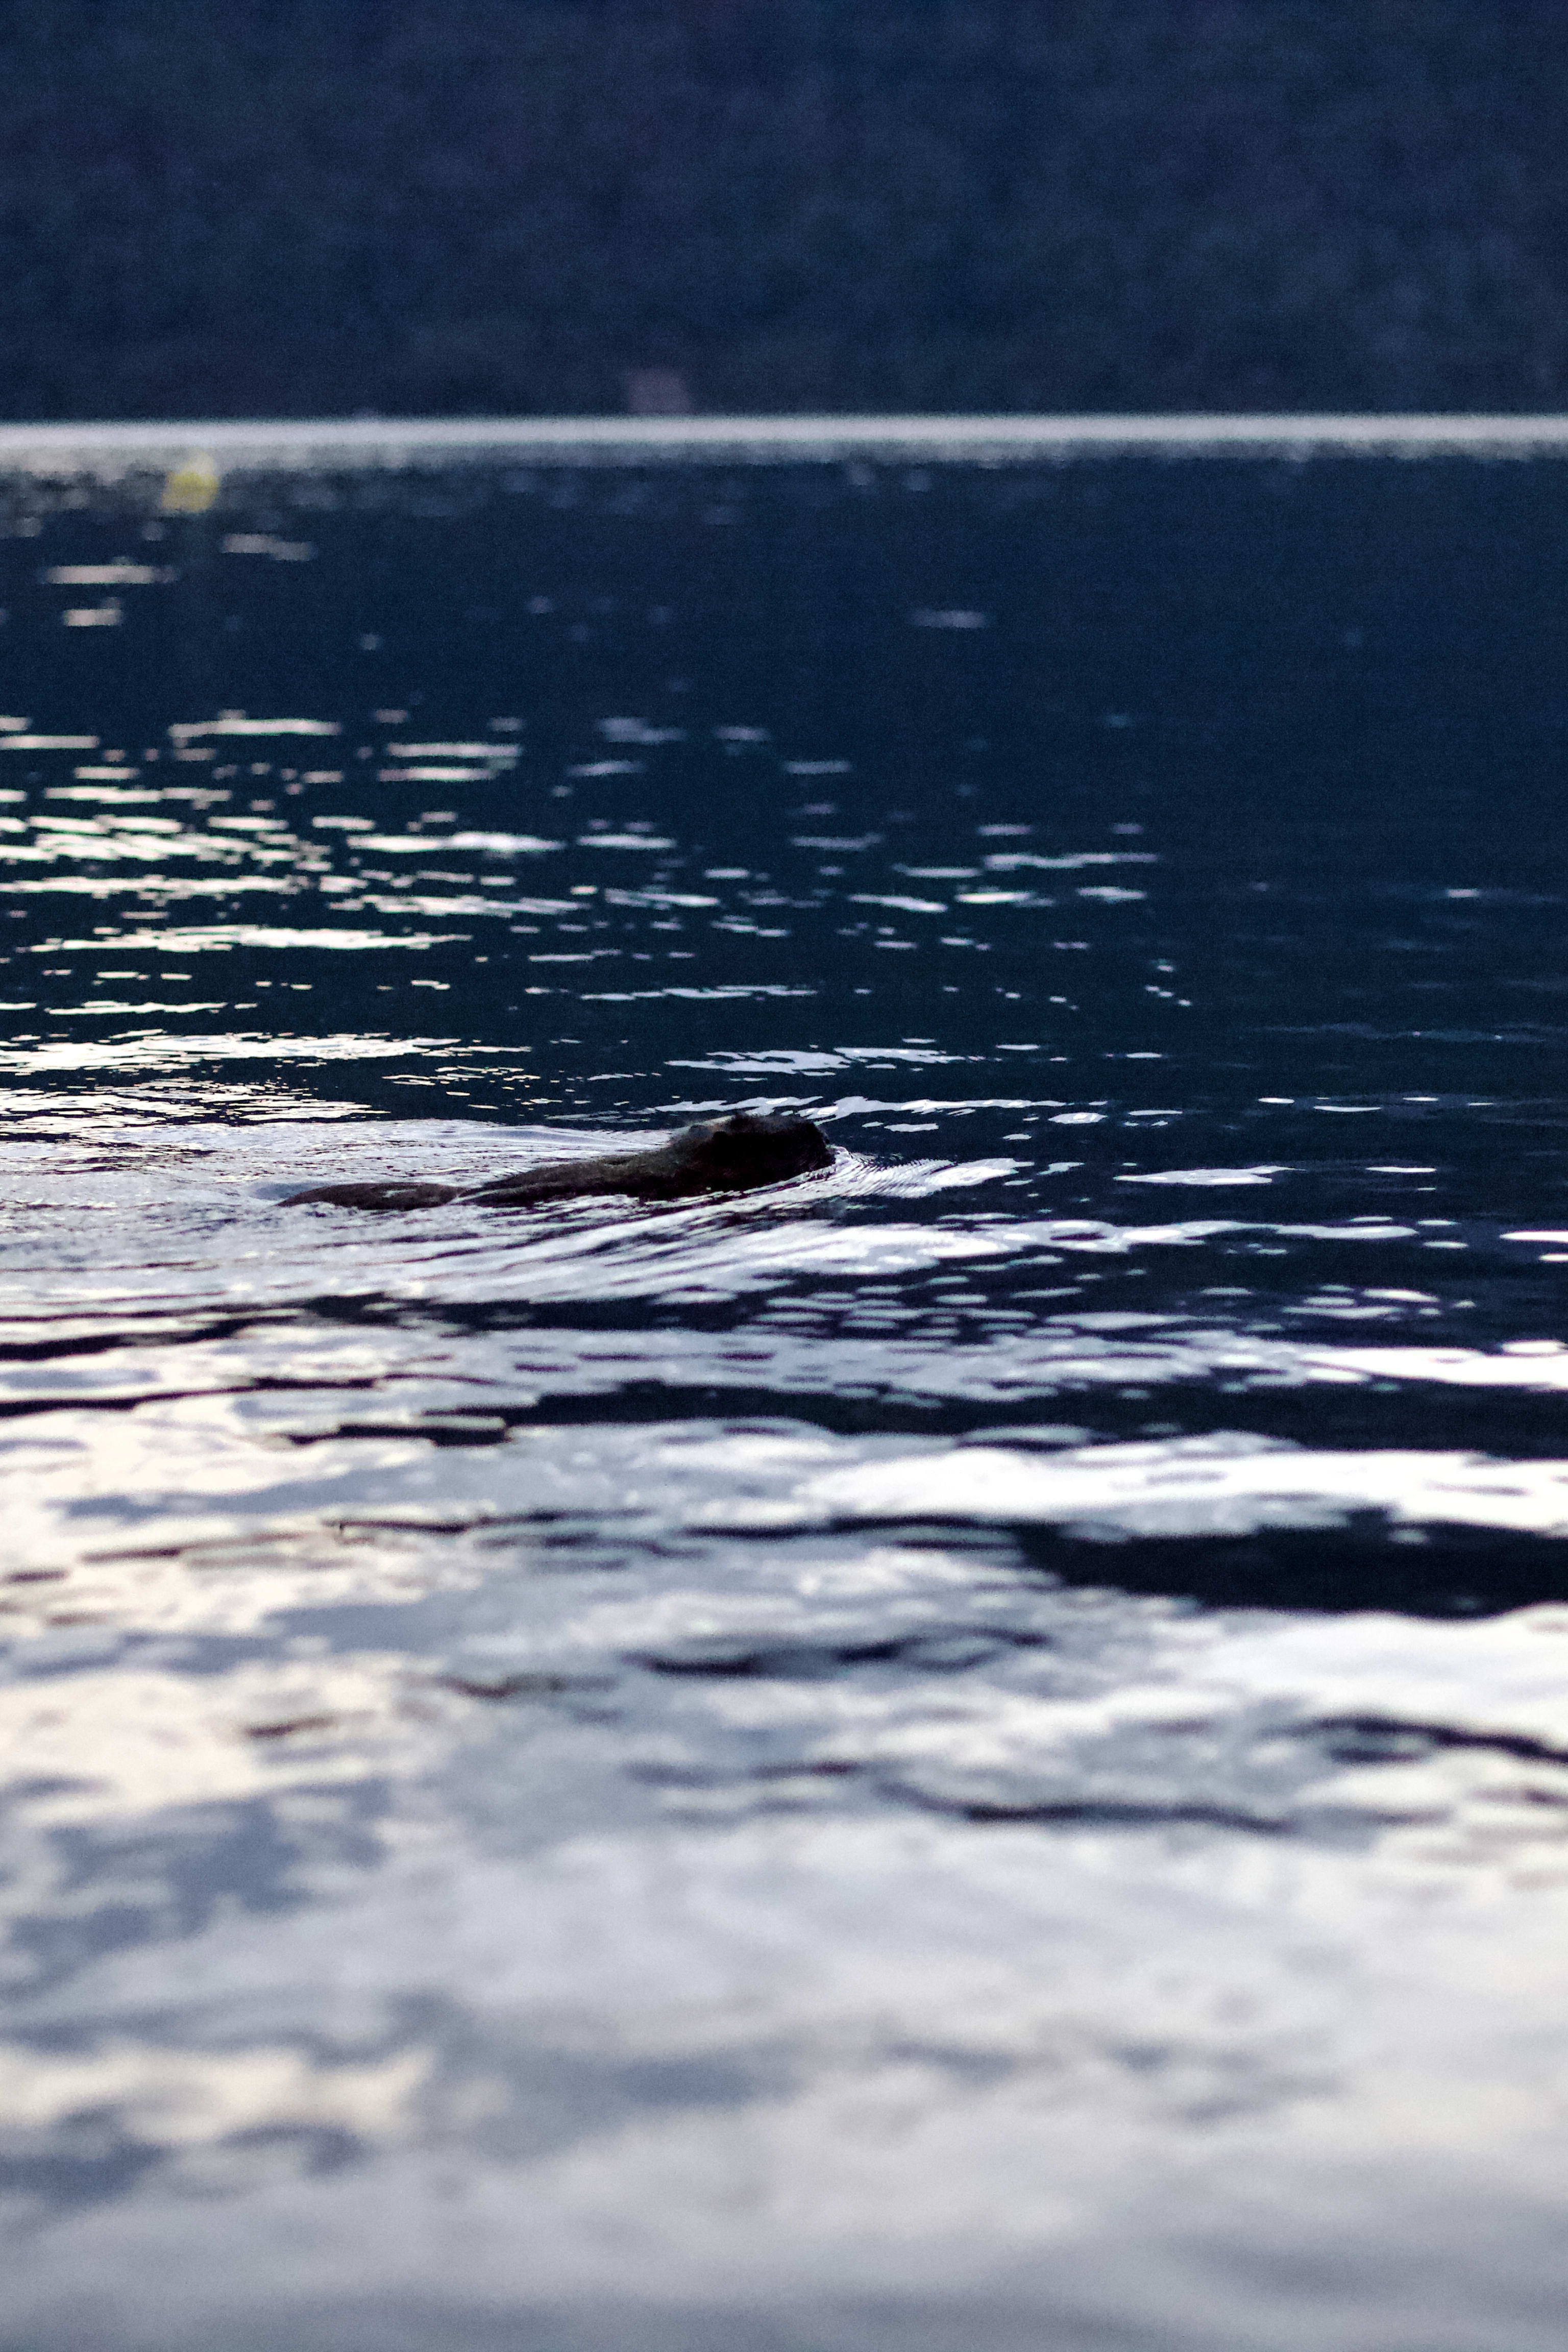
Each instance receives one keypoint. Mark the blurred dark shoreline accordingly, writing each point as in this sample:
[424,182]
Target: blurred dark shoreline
[535,207]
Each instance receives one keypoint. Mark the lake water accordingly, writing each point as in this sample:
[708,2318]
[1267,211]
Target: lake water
[970,1750]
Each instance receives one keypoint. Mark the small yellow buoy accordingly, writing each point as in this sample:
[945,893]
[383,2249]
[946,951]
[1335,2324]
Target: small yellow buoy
[191,487]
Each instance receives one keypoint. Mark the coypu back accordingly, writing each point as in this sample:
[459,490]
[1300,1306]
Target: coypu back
[739,1154]
[728,1155]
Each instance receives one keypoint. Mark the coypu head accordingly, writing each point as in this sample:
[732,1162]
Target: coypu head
[732,1155]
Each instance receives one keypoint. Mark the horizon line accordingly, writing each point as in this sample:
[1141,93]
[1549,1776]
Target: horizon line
[396,442]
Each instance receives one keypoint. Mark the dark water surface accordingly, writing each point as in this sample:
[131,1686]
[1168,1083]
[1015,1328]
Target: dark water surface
[970,1750]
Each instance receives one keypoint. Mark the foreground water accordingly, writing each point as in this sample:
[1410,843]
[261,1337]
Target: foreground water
[971,1750]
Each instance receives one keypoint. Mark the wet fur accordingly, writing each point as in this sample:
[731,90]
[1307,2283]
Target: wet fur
[727,1155]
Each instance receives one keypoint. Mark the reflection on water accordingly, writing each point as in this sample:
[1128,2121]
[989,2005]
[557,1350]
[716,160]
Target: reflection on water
[974,1745]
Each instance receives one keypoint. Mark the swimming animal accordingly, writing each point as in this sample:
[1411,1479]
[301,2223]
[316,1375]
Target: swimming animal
[722,1155]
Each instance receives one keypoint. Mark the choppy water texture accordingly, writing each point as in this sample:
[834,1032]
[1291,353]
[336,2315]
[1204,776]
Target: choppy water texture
[973,1749]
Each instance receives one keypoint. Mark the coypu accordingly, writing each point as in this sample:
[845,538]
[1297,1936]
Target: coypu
[723,1155]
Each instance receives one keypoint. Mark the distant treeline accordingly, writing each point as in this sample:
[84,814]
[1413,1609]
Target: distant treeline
[232,207]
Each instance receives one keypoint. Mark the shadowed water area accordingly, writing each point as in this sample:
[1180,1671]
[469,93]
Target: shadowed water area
[970,1749]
